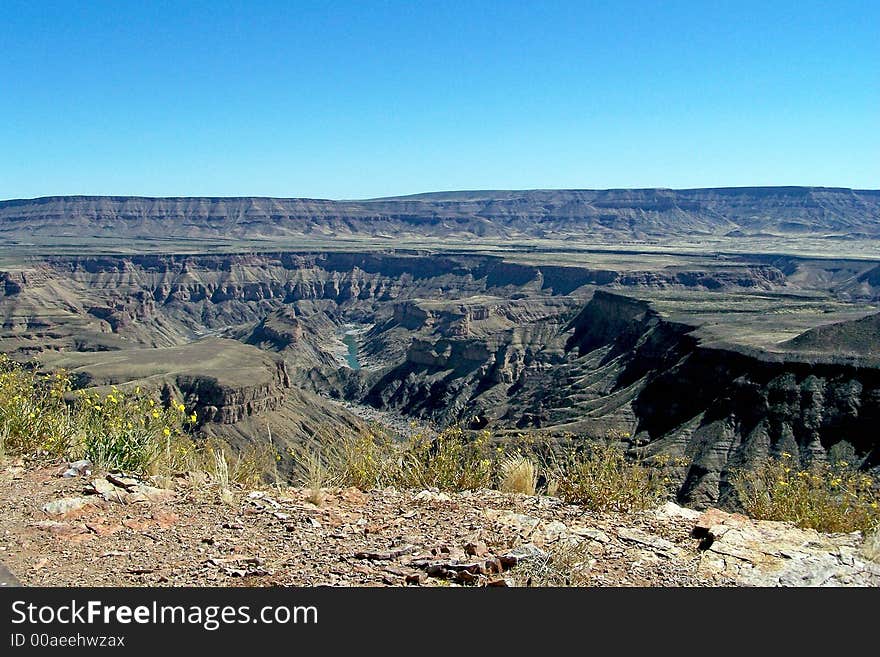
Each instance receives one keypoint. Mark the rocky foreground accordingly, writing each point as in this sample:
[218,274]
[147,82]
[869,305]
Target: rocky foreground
[69,526]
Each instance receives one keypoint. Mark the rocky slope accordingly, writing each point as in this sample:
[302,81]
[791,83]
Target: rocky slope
[599,214]
[249,339]
[109,530]
[618,364]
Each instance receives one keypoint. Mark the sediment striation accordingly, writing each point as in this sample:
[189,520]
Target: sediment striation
[617,213]
[719,360]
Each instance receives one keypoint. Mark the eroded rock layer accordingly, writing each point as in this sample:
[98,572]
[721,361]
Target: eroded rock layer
[254,342]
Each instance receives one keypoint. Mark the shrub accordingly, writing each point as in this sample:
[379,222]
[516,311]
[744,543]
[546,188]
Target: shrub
[115,430]
[33,413]
[449,461]
[566,563]
[825,497]
[131,432]
[601,478]
[364,460]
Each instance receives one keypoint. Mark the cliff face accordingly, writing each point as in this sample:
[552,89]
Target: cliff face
[107,302]
[248,338]
[633,214]
[228,403]
[618,364]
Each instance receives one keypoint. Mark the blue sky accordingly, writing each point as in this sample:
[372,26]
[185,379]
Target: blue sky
[365,99]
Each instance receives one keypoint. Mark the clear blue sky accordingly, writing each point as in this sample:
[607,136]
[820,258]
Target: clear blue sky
[364,99]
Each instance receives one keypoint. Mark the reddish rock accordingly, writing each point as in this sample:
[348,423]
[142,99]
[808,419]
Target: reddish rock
[166,519]
[102,528]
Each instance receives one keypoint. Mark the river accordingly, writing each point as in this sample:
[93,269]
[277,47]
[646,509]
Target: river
[351,356]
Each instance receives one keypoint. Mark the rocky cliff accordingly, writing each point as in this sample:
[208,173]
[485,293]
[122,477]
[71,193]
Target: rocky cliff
[508,343]
[618,364]
[620,213]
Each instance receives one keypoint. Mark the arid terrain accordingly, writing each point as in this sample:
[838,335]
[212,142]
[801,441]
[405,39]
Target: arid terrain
[552,312]
[387,294]
[97,530]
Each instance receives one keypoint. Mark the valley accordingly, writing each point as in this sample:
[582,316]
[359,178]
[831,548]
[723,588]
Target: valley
[717,360]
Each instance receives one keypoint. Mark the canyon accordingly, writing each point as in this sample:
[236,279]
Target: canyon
[716,327]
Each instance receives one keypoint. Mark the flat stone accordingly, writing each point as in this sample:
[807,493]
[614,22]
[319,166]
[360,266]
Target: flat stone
[59,528]
[153,494]
[673,510]
[521,553]
[386,555]
[476,549]
[416,579]
[103,528]
[766,553]
[166,519]
[712,517]
[66,506]
[7,578]
[555,530]
[591,534]
[118,479]
[105,489]
[466,577]
[652,541]
[433,496]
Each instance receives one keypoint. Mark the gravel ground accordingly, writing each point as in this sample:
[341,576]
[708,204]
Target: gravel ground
[278,538]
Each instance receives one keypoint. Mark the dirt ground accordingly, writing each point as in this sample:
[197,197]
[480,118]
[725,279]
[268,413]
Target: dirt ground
[276,537]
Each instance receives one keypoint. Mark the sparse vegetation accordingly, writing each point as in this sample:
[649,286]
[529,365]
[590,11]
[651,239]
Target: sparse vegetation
[601,478]
[364,460]
[828,497]
[598,476]
[316,477]
[221,476]
[448,461]
[567,563]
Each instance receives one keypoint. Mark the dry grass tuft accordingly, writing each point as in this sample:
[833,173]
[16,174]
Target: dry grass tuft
[518,474]
[567,563]
[601,478]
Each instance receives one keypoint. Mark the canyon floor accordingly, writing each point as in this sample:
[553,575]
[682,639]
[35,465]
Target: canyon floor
[99,529]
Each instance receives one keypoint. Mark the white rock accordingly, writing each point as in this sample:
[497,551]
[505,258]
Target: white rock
[672,510]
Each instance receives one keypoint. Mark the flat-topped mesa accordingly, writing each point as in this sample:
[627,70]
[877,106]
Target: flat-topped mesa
[227,404]
[633,214]
[691,355]
[860,337]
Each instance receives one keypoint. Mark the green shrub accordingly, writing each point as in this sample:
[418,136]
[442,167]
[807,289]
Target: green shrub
[131,432]
[33,413]
[116,430]
[449,461]
[826,497]
[601,478]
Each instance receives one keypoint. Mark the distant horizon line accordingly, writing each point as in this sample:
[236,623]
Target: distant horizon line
[417,195]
